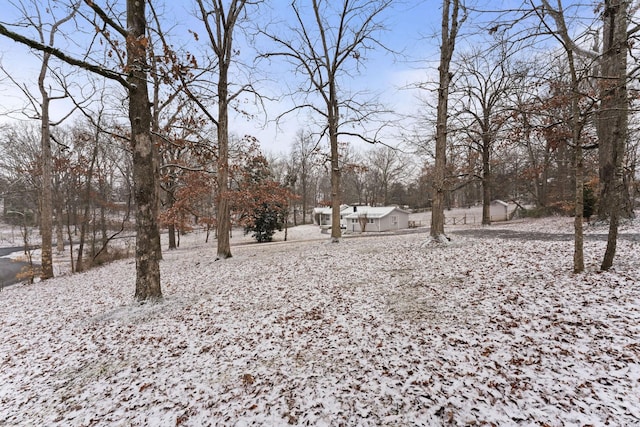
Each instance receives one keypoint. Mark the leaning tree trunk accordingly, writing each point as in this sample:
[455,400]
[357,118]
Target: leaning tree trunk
[145,162]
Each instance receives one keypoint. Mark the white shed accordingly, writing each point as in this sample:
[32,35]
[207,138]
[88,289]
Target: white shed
[499,210]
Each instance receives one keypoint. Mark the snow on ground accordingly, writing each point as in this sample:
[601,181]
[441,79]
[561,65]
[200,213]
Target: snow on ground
[382,330]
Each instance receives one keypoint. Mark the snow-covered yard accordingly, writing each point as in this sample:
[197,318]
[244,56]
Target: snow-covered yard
[382,330]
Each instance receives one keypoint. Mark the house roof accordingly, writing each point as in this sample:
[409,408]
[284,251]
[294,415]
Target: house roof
[328,210]
[374,212]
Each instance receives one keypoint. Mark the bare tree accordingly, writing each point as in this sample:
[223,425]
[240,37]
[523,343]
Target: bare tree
[482,88]
[145,164]
[304,159]
[46,33]
[560,31]
[221,25]
[612,120]
[323,45]
[451,21]
[388,166]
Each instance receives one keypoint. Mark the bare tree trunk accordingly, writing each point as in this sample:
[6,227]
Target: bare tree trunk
[145,167]
[305,197]
[562,34]
[486,184]
[613,122]
[576,131]
[450,24]
[224,217]
[612,239]
[333,117]
[578,252]
[221,42]
[145,161]
[46,208]
[46,204]
[613,114]
[70,241]
[59,228]
[172,226]
[87,206]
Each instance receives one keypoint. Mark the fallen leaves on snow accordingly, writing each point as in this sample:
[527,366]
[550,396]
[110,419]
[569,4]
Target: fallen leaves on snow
[373,331]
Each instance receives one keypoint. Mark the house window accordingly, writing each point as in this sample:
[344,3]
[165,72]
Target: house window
[354,221]
[370,220]
[394,219]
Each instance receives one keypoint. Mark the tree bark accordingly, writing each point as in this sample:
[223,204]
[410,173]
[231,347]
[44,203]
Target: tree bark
[612,118]
[221,42]
[578,252]
[59,227]
[333,117]
[224,217]
[450,25]
[613,122]
[486,183]
[46,208]
[87,206]
[562,34]
[145,161]
[145,167]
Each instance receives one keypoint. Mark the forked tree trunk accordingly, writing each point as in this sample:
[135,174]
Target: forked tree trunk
[450,23]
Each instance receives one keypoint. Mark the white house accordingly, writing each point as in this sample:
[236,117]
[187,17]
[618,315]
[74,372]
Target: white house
[385,218]
[322,216]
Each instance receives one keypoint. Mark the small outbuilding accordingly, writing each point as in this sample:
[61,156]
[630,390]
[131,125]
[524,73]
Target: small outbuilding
[499,210]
